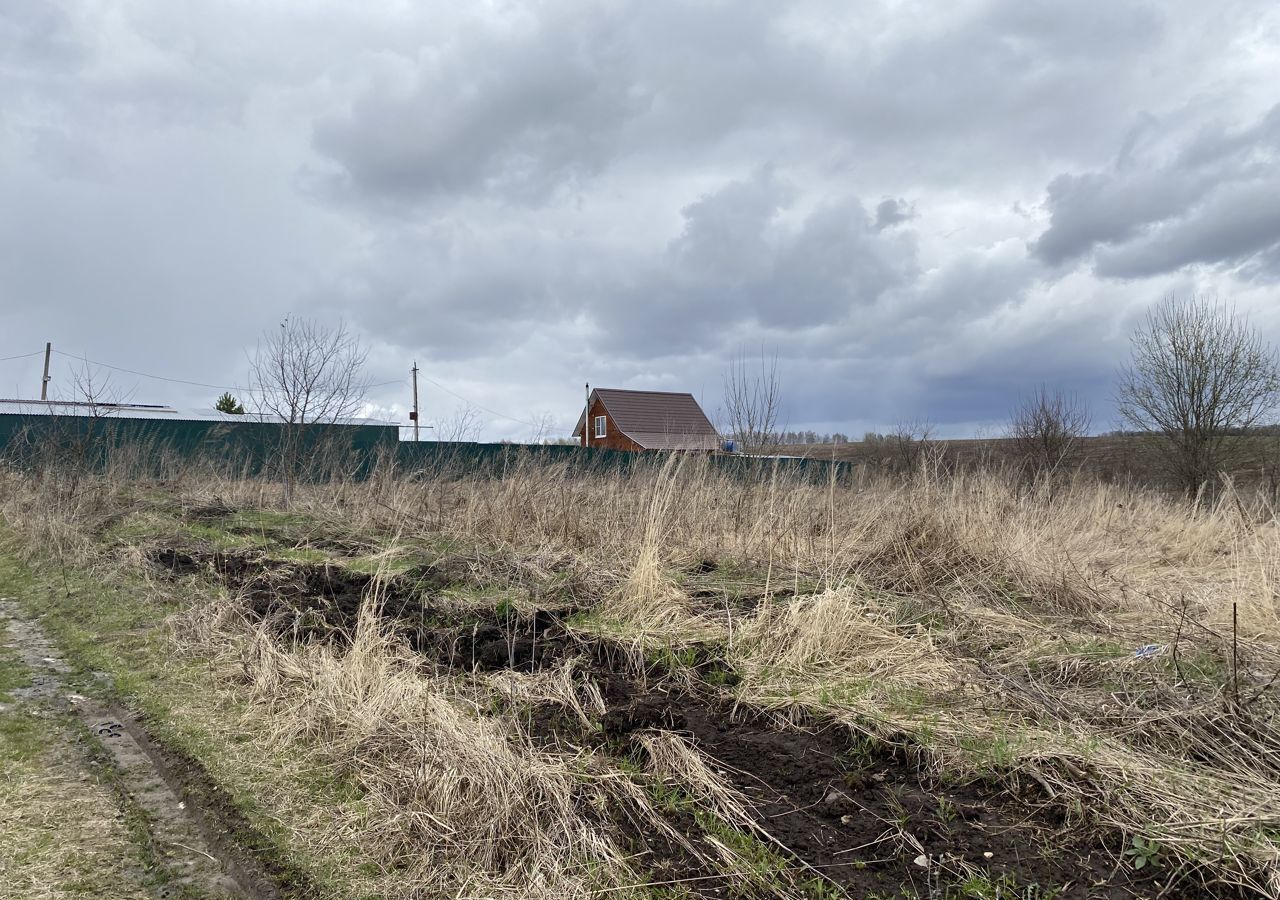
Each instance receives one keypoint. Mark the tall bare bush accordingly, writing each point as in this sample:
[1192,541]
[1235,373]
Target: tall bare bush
[1045,428]
[912,443]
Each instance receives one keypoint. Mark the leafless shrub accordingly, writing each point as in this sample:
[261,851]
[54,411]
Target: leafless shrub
[95,393]
[541,428]
[1268,453]
[910,443]
[462,426]
[1045,428]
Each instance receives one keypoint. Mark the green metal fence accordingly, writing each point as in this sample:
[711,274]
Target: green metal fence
[256,448]
[494,460]
[247,447]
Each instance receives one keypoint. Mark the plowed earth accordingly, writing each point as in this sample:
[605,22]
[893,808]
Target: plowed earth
[841,810]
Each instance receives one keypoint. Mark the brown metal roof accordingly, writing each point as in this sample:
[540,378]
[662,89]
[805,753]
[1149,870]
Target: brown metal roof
[658,420]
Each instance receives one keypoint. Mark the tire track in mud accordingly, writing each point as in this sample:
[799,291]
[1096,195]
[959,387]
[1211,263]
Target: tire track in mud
[183,841]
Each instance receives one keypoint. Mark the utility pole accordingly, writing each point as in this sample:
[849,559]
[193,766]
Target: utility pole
[414,416]
[44,382]
[586,419]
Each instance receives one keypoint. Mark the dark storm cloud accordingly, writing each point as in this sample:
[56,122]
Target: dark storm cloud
[526,197]
[1230,226]
[741,263]
[737,267]
[1171,200]
[515,113]
[560,94]
[455,293]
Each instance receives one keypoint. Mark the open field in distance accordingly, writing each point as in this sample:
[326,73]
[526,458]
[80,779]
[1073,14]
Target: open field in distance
[1132,459]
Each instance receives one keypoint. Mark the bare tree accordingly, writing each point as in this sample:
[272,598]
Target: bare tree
[95,392]
[541,427]
[308,373]
[1200,372]
[753,401]
[83,437]
[1046,427]
[463,426]
[910,442]
[304,375]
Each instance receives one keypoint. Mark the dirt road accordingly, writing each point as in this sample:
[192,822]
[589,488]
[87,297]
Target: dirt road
[104,748]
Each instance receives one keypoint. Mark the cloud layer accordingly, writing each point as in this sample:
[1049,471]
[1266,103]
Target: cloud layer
[924,210]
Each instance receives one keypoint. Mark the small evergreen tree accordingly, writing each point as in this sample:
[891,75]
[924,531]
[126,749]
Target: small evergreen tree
[228,404]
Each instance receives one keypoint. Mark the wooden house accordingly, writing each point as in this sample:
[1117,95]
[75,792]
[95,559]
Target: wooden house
[645,420]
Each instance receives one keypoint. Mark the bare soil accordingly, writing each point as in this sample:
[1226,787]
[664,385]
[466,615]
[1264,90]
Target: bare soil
[858,813]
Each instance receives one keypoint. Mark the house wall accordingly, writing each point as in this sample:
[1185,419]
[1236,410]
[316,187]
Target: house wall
[614,439]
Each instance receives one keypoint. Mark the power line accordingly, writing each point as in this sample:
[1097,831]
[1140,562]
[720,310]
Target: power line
[491,412]
[224,387]
[220,387]
[22,356]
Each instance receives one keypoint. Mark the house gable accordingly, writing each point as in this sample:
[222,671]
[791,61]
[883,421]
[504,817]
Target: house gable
[650,420]
[614,438]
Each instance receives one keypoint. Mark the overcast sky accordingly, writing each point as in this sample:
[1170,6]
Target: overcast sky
[924,208]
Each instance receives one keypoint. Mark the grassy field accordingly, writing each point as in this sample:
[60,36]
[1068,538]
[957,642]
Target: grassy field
[1254,462]
[671,683]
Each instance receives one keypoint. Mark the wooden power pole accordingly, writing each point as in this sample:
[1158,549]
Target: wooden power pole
[44,382]
[414,417]
[586,419]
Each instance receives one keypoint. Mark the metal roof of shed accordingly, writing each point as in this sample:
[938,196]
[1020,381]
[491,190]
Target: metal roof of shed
[147,411]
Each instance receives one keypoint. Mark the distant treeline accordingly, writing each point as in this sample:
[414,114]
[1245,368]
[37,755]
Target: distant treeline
[1256,431]
[804,437]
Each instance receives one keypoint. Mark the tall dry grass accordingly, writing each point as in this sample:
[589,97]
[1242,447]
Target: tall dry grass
[995,623]
[992,622]
[1083,547]
[453,801]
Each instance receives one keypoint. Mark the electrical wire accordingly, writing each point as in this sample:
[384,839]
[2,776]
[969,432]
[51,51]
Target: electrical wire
[492,412]
[220,387]
[21,356]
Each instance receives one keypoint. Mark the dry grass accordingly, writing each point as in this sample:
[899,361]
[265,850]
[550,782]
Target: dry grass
[60,834]
[62,831]
[993,624]
[453,802]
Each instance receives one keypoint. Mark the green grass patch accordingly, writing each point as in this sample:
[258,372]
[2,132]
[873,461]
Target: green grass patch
[121,630]
[23,735]
[302,554]
[1198,664]
[60,832]
[13,673]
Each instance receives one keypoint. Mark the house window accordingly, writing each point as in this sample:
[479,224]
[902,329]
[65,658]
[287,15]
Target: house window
[600,430]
